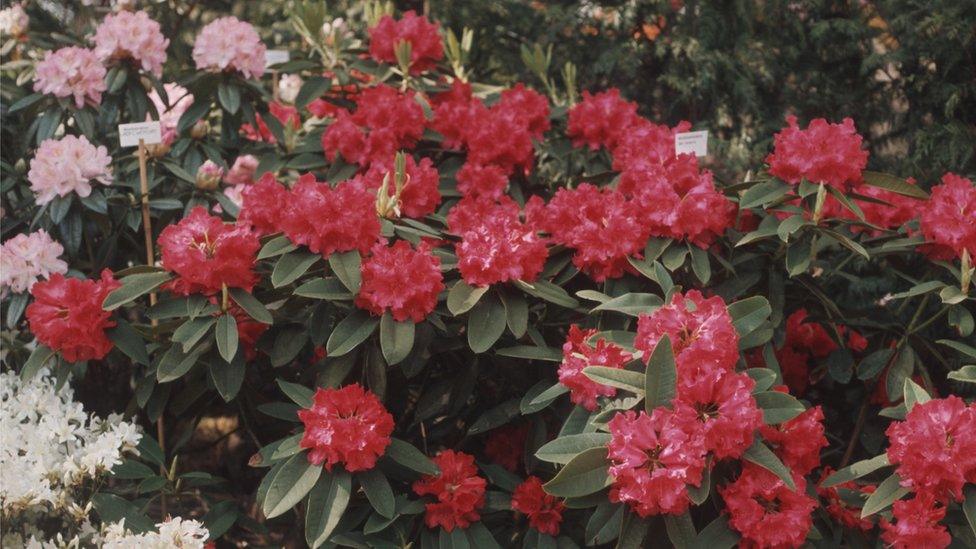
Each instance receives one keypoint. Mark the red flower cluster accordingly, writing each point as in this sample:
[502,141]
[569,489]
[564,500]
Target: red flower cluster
[496,246]
[701,333]
[765,511]
[402,280]
[426,48]
[822,153]
[286,114]
[917,524]
[207,254]
[798,442]
[645,145]
[722,402]
[578,354]
[347,426]
[385,122]
[421,193]
[935,447]
[506,445]
[949,218]
[460,492]
[599,223]
[805,343]
[601,120]
[653,460]
[545,512]
[328,219]
[263,204]
[838,507]
[67,315]
[898,211]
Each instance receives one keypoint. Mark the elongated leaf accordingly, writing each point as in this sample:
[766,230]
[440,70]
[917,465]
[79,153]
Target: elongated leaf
[378,491]
[778,407]
[889,491]
[856,470]
[914,394]
[549,292]
[289,485]
[291,266]
[229,96]
[764,378]
[966,374]
[632,304]
[350,332]
[495,417]
[584,474]
[959,346]
[969,506]
[516,311]
[633,530]
[661,376]
[40,357]
[133,287]
[112,508]
[326,505]
[254,308]
[550,354]
[278,245]
[763,193]
[175,363]
[749,314]
[129,341]
[681,530]
[462,297]
[396,338]
[717,535]
[299,394]
[227,339]
[893,183]
[192,331]
[616,377]
[406,455]
[228,377]
[761,455]
[346,267]
[486,323]
[330,289]
[564,449]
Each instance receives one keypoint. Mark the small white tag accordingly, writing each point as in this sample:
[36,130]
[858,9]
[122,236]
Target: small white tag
[691,142]
[149,132]
[275,57]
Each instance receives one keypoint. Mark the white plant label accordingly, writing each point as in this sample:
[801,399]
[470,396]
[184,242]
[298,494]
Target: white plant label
[148,132]
[275,57]
[691,143]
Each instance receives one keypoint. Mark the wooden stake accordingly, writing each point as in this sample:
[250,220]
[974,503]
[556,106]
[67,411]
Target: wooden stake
[274,86]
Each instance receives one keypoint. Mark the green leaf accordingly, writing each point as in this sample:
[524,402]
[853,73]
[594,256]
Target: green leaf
[228,376]
[764,378]
[537,399]
[790,225]
[632,304]
[889,491]
[681,530]
[749,314]
[914,394]
[287,344]
[761,455]
[192,331]
[229,96]
[350,332]
[969,506]
[959,346]
[486,323]
[966,374]
[583,475]
[856,470]
[778,407]
[196,111]
[25,102]
[717,535]
[112,508]
[548,292]
[254,308]
[700,264]
[396,338]
[38,359]
[661,376]
[564,449]
[346,267]
[326,505]
[462,297]
[872,364]
[698,494]
[378,491]
[616,377]
[227,339]
[846,242]
[404,454]
[516,311]
[495,417]
[633,530]
[763,193]
[291,266]
[893,183]
[289,485]
[278,245]
[175,363]
[134,286]
[330,289]
[129,341]
[299,394]
[313,88]
[530,352]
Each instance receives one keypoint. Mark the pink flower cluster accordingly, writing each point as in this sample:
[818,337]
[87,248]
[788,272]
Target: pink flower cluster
[229,44]
[822,153]
[949,218]
[71,72]
[578,354]
[68,165]
[25,258]
[178,99]
[132,35]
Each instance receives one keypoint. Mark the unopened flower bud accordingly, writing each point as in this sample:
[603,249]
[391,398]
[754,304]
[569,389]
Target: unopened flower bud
[209,175]
[200,129]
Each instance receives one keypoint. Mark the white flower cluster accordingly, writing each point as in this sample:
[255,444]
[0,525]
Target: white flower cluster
[175,532]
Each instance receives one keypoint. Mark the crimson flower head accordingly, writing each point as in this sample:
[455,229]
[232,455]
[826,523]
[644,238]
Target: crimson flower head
[916,524]
[646,145]
[948,218]
[798,441]
[765,511]
[458,490]
[701,333]
[578,354]
[599,223]
[67,315]
[347,426]
[424,37]
[402,280]
[528,106]
[482,181]
[454,112]
[804,342]
[653,460]
[420,195]
[328,219]
[506,445]
[286,114]
[207,254]
[897,210]
[935,447]
[386,121]
[263,205]
[496,246]
[822,153]
[601,120]
[499,136]
[545,512]
[722,402]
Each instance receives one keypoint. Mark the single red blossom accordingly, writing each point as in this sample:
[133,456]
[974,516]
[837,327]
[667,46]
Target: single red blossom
[506,445]
[898,210]
[455,111]
[947,220]
[916,524]
[286,114]
[347,426]
[765,511]
[545,512]
[934,449]
[599,223]
[646,145]
[328,219]
[482,181]
[837,506]
[578,354]
[601,120]
[424,37]
[421,193]
[701,332]
[67,315]
[459,491]
[528,107]
[263,205]
[386,121]
[822,153]
[798,441]
[401,280]
[654,458]
[208,254]
[495,245]
[721,401]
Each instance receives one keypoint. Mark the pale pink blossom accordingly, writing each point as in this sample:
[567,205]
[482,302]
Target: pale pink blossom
[236,194]
[209,175]
[27,257]
[242,172]
[169,115]
[230,44]
[288,87]
[68,165]
[71,72]
[132,35]
[13,21]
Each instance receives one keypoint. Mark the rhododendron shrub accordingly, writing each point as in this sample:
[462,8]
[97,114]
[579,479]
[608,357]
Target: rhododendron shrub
[381,295]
